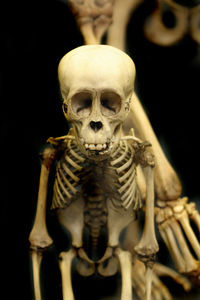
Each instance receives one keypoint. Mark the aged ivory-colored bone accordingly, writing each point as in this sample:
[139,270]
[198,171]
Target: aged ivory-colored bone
[93,18]
[162,270]
[39,238]
[167,184]
[158,33]
[159,290]
[148,244]
[126,269]
[122,11]
[66,259]
[36,262]
[194,23]
[169,220]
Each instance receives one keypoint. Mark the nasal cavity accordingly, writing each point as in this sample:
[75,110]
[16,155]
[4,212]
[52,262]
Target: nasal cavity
[96,126]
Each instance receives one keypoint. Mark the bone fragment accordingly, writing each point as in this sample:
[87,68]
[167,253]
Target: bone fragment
[159,290]
[108,253]
[194,23]
[39,237]
[121,14]
[148,245]
[169,239]
[158,33]
[125,261]
[190,262]
[148,280]
[111,268]
[65,264]
[162,270]
[36,262]
[184,220]
[167,184]
[193,214]
[85,266]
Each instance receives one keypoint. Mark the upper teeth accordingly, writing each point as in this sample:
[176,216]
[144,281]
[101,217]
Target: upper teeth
[95,146]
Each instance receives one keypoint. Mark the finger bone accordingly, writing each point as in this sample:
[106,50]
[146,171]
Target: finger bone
[169,239]
[184,220]
[190,263]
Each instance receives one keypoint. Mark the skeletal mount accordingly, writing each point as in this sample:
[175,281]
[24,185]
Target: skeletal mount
[95,184]
[105,174]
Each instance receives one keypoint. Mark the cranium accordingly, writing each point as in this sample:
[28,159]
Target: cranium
[96,84]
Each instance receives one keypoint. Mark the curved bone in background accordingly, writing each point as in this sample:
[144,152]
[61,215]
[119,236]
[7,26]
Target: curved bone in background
[195,23]
[156,31]
[122,11]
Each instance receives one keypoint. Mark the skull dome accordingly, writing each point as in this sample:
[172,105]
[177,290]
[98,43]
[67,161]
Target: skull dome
[96,83]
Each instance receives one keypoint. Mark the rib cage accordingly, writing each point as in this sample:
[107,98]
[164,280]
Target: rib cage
[68,175]
[73,168]
[123,161]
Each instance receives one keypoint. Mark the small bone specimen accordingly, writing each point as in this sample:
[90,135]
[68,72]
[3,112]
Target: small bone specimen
[99,180]
[95,184]
[186,22]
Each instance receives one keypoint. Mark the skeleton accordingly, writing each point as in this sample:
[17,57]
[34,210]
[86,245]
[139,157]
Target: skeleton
[95,184]
[167,184]
[82,160]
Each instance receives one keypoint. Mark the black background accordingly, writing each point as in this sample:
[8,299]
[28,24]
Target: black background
[34,37]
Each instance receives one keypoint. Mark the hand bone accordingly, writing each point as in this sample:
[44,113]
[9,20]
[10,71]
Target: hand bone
[173,219]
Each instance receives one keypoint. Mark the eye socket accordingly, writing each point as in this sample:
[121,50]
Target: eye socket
[81,104]
[110,104]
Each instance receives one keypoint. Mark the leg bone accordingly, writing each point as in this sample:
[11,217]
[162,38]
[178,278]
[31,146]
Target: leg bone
[125,261]
[66,259]
[36,262]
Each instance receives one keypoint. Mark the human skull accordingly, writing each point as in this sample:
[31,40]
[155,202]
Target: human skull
[96,83]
